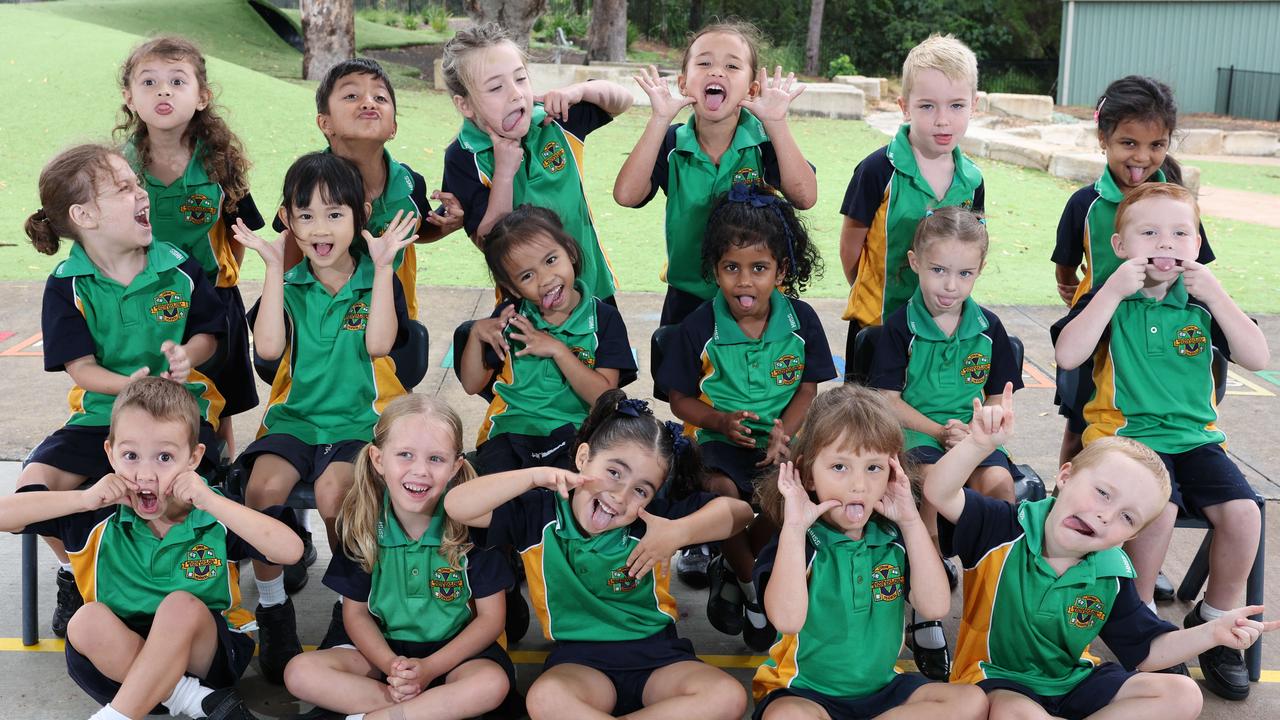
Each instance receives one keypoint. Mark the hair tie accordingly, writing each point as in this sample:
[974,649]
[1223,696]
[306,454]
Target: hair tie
[982,221]
[633,407]
[928,213]
[748,193]
[1098,109]
[41,215]
[679,441]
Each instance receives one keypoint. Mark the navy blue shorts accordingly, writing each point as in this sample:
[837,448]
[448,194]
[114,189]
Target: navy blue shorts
[1092,694]
[1203,477]
[235,378]
[929,455]
[309,460]
[627,663]
[896,693]
[235,650]
[678,305]
[411,649]
[513,451]
[78,449]
[1080,384]
[736,462]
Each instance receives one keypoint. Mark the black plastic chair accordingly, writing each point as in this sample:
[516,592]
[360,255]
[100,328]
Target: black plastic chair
[658,344]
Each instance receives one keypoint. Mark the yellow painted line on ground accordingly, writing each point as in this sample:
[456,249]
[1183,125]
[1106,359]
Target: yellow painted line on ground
[537,657]
[1255,390]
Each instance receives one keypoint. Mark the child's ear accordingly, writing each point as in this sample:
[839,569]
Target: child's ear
[1063,478]
[1102,142]
[127,94]
[902,105]
[82,216]
[375,459]
[580,458]
[1117,245]
[463,105]
[197,454]
[325,124]
[283,214]
[680,84]
[368,207]
[914,261]
[754,90]
[206,97]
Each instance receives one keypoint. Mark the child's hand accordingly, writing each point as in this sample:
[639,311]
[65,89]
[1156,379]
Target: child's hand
[453,216]
[1235,630]
[662,538]
[139,373]
[190,488]
[898,504]
[490,331]
[536,342]
[992,425]
[733,426]
[557,102]
[1067,291]
[272,253]
[398,235]
[179,363]
[798,511]
[775,97]
[508,156]
[953,433]
[779,448]
[112,489]
[405,678]
[1128,278]
[562,481]
[1201,282]
[665,106]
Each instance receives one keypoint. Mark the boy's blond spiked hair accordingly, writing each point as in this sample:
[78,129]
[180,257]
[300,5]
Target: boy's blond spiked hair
[945,54]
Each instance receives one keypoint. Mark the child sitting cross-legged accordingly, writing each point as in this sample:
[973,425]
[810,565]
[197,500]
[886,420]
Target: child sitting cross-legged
[162,622]
[1045,579]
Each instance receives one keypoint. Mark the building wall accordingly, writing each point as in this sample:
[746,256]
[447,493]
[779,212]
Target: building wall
[1181,43]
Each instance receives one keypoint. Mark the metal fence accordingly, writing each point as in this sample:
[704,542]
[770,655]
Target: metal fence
[1248,94]
[1028,77]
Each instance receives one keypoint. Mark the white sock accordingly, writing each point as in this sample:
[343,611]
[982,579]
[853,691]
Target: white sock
[1152,607]
[186,698]
[748,591]
[271,592]
[65,566]
[306,520]
[108,713]
[357,716]
[929,638]
[1209,613]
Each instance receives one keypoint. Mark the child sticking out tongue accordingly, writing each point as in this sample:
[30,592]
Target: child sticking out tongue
[1164,264]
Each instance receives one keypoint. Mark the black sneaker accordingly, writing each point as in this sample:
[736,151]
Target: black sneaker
[1224,670]
[691,566]
[337,633]
[757,638]
[933,663]
[725,601]
[295,575]
[1164,589]
[517,615]
[277,640]
[225,704]
[69,601]
[1179,669]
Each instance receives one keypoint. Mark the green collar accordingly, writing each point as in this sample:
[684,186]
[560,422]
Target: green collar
[474,140]
[921,323]
[196,519]
[874,534]
[390,534]
[750,133]
[1108,189]
[1175,297]
[782,321]
[161,256]
[582,321]
[1111,562]
[903,160]
[361,278]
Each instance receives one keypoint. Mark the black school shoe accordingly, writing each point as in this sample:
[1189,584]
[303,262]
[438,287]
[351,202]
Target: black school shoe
[724,601]
[1164,589]
[517,623]
[691,566]
[758,638]
[336,634]
[1224,670]
[225,704]
[933,663]
[295,575]
[69,601]
[277,640]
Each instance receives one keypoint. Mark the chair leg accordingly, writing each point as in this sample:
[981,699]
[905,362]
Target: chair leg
[30,596]
[1254,595]
[1198,571]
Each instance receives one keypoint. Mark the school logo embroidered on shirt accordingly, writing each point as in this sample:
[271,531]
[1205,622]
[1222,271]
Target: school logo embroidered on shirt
[357,317]
[1190,341]
[198,209]
[446,583]
[976,368]
[620,581]
[1085,611]
[169,307]
[201,563]
[787,370]
[746,176]
[886,583]
[553,157]
[584,355]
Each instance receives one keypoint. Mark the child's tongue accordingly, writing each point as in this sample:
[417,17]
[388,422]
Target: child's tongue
[714,100]
[854,512]
[600,518]
[148,502]
[1163,264]
[511,120]
[1074,523]
[552,298]
[746,301]
[323,249]
[1135,174]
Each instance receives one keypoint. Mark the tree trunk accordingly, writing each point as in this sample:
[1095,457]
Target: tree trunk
[813,45]
[328,35]
[517,16]
[695,15]
[607,35]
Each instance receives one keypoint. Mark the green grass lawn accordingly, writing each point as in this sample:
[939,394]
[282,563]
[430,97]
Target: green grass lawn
[1255,178]
[58,97]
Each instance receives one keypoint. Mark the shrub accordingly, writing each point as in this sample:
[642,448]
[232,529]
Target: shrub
[437,16]
[841,65]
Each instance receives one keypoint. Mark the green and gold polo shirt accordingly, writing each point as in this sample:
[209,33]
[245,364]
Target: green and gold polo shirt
[414,593]
[890,196]
[87,313]
[852,631]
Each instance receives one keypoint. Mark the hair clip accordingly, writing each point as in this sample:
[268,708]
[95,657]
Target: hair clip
[633,407]
[1098,110]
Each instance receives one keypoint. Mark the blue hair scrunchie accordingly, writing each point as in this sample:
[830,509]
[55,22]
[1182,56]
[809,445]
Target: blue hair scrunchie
[633,407]
[742,192]
[679,441]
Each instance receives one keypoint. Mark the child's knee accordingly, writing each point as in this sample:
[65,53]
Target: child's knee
[726,694]
[720,484]
[969,702]
[180,609]
[993,482]
[85,627]
[1179,695]
[1236,519]
[546,697]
